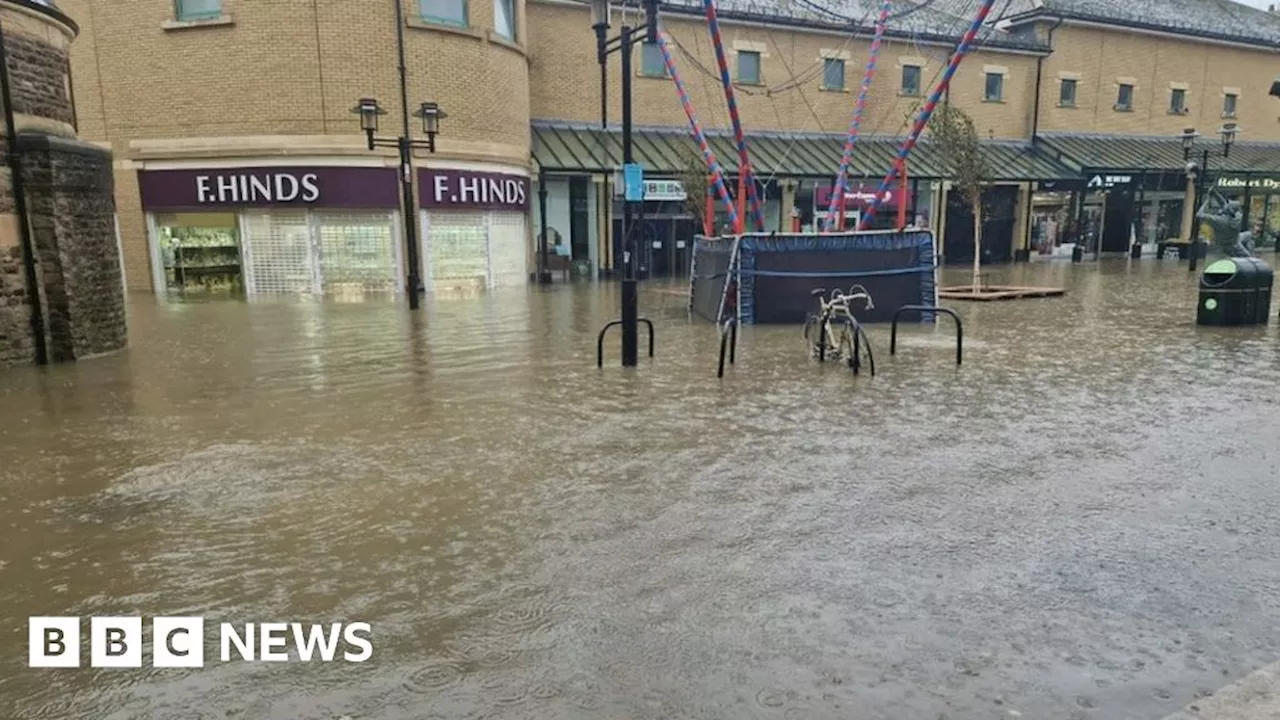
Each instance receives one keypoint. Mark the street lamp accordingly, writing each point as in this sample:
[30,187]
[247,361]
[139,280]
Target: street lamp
[1200,173]
[627,38]
[369,111]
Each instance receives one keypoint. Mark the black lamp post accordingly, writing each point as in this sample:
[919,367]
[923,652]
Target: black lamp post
[627,38]
[430,114]
[1228,132]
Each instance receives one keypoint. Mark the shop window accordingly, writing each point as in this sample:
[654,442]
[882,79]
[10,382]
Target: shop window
[199,252]
[1124,98]
[911,80]
[1229,105]
[651,62]
[748,67]
[1178,101]
[189,10]
[1067,94]
[446,12]
[994,90]
[504,19]
[832,74]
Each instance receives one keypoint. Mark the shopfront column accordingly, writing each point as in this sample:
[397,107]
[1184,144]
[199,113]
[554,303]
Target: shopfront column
[1189,210]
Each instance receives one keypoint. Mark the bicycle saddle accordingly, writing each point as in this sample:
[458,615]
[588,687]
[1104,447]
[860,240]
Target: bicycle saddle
[817,292]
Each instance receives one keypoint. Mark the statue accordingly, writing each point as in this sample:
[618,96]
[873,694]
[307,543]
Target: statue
[1224,228]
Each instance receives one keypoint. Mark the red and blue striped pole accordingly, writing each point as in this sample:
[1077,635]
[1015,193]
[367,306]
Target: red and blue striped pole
[698,135]
[744,161]
[966,44]
[837,194]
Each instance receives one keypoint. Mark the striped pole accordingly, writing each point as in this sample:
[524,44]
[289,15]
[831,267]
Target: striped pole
[837,194]
[744,161]
[717,173]
[966,44]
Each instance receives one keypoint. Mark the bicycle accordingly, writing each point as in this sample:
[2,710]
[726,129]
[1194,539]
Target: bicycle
[831,331]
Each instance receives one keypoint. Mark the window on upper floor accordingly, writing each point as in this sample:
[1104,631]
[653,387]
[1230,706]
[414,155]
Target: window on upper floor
[1124,98]
[994,89]
[1067,93]
[446,12]
[832,74]
[197,9]
[651,62]
[504,19]
[910,80]
[1229,105]
[748,67]
[1178,101]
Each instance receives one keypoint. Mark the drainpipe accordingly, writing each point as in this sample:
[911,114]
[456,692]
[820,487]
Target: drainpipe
[1035,110]
[20,205]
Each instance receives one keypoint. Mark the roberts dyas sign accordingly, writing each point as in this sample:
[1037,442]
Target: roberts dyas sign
[466,189]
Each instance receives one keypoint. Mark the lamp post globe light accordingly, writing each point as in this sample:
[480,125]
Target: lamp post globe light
[1200,174]
[430,113]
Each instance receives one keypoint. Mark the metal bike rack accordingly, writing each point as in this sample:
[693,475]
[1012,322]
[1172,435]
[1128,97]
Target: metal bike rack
[729,337]
[893,334]
[605,329]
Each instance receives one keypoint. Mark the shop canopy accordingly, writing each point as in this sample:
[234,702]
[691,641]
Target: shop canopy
[1136,154]
[578,148]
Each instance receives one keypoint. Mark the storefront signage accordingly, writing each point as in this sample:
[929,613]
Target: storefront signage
[1098,182]
[1255,183]
[659,190]
[858,196]
[337,187]
[443,189]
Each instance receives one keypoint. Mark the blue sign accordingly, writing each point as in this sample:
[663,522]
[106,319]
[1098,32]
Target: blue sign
[633,179]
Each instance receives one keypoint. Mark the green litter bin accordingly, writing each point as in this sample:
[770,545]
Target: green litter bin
[1227,294]
[1264,279]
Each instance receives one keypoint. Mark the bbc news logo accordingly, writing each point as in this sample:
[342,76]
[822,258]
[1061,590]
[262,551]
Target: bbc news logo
[178,642]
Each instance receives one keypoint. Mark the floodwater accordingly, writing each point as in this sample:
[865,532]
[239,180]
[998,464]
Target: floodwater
[1081,522]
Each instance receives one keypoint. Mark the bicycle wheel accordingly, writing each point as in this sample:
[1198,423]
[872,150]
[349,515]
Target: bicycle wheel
[811,334]
[842,340]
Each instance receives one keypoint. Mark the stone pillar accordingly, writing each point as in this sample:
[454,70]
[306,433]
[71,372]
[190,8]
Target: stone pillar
[69,210]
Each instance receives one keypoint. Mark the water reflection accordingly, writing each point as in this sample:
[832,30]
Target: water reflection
[1082,519]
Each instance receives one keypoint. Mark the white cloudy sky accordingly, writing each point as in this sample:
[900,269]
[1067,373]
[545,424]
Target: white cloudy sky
[1257,3]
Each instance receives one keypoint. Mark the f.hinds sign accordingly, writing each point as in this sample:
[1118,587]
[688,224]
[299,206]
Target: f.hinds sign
[332,187]
[444,189]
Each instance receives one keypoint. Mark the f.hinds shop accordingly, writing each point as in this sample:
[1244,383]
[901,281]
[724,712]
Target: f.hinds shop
[329,230]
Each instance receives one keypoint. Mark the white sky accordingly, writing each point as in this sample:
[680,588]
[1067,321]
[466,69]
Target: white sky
[1257,3]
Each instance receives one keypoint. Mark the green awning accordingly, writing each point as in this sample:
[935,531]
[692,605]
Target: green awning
[1138,153]
[576,148]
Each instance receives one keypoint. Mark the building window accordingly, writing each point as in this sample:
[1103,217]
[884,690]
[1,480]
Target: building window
[447,12]
[198,9]
[651,62]
[1229,105]
[911,80]
[994,90]
[1178,101]
[832,74]
[748,67]
[504,18]
[1067,94]
[1124,98]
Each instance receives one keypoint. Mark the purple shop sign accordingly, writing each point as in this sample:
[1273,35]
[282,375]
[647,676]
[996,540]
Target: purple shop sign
[321,187]
[444,189]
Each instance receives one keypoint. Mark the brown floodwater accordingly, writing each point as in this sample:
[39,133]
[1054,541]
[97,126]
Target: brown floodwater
[1081,522]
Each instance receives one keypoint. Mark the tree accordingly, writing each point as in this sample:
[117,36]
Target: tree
[953,133]
[693,178]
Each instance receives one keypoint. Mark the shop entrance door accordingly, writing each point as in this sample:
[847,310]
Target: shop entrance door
[1117,219]
[295,252]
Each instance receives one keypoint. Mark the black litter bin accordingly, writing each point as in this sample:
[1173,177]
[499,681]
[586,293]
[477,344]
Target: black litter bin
[1228,293]
[1264,279]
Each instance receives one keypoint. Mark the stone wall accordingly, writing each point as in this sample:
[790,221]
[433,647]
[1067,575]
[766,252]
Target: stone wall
[16,343]
[69,193]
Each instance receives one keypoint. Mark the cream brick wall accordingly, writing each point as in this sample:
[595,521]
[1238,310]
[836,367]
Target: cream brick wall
[565,79]
[286,69]
[1099,57]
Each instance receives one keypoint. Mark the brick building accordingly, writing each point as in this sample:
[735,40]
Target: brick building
[221,113]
